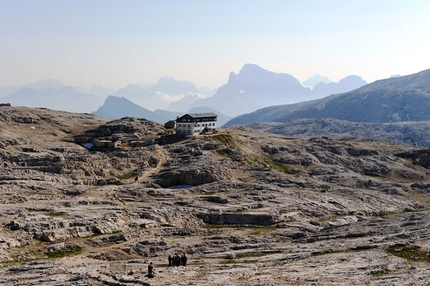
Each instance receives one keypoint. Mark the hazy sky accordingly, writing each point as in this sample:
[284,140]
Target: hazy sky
[114,43]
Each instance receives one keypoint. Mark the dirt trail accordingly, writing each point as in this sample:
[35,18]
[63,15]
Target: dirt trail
[160,154]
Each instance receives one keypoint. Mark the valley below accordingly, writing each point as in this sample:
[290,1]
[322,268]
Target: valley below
[88,201]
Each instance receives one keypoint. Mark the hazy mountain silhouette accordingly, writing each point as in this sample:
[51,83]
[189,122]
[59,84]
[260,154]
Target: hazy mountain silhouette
[349,83]
[159,95]
[148,100]
[66,98]
[183,104]
[420,80]
[206,90]
[144,85]
[403,98]
[116,107]
[46,83]
[249,90]
[270,113]
[96,90]
[171,115]
[171,86]
[6,90]
[313,80]
[254,88]
[41,84]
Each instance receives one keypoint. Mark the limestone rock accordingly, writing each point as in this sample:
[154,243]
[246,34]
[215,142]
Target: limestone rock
[242,204]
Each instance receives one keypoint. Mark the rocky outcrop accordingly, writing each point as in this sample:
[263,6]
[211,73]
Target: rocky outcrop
[48,229]
[127,130]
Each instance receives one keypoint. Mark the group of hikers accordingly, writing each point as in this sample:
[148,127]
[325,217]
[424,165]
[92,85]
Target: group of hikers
[175,260]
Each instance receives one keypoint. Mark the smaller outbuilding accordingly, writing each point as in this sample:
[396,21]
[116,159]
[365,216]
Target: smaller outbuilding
[170,124]
[106,144]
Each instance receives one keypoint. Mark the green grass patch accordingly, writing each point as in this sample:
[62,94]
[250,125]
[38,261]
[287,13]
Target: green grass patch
[259,230]
[386,215]
[56,214]
[341,143]
[68,251]
[19,259]
[269,162]
[278,166]
[39,256]
[380,273]
[225,139]
[254,229]
[255,159]
[119,267]
[250,254]
[126,175]
[409,252]
[324,252]
[221,153]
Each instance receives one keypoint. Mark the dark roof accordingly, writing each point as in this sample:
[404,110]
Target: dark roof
[201,115]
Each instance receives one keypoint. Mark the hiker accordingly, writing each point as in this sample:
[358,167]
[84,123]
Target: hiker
[177,260]
[136,179]
[170,258]
[184,260]
[151,271]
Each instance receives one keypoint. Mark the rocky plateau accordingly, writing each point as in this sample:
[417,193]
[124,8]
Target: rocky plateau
[247,207]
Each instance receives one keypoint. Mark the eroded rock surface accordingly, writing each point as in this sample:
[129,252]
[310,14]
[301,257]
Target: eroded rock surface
[247,207]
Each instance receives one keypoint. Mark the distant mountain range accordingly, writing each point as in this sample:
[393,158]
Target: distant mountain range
[118,107]
[397,108]
[54,94]
[403,98]
[315,79]
[161,94]
[254,88]
[251,89]
[394,108]
[65,98]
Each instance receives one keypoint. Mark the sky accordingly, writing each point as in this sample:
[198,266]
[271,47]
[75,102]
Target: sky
[117,42]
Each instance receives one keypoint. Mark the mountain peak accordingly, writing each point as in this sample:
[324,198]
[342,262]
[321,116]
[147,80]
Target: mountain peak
[353,79]
[46,83]
[117,107]
[251,67]
[315,79]
[170,85]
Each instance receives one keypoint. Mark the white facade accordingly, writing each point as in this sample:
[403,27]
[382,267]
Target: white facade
[195,123]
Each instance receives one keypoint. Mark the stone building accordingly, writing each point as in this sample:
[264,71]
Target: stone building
[196,123]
